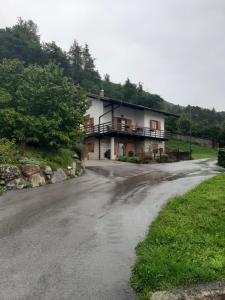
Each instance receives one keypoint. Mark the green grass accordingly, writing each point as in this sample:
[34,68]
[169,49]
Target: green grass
[55,159]
[185,245]
[198,151]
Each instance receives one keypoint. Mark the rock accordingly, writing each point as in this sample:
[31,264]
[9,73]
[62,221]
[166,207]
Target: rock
[8,173]
[37,180]
[76,156]
[48,177]
[48,170]
[58,176]
[16,184]
[29,170]
[74,165]
[72,169]
[2,182]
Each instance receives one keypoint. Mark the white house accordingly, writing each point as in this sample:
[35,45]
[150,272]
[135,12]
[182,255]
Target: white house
[116,128]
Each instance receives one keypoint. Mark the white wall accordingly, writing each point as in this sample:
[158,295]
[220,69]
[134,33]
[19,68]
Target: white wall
[95,110]
[150,115]
[137,116]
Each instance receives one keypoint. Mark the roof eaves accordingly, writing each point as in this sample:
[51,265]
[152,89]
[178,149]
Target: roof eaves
[137,106]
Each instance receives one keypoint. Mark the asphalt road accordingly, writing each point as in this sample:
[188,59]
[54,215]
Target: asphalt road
[76,239]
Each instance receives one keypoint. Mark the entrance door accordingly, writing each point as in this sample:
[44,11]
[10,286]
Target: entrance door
[130,149]
[121,149]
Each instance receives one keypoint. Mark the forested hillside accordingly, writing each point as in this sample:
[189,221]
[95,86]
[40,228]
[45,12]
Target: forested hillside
[23,42]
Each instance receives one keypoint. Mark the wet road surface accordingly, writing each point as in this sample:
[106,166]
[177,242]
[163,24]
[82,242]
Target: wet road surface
[76,239]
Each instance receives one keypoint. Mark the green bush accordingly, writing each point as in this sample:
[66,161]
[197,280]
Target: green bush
[221,158]
[7,151]
[133,159]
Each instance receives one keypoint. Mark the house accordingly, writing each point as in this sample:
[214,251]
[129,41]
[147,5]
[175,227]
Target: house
[116,128]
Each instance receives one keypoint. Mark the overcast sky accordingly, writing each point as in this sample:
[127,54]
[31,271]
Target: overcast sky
[175,48]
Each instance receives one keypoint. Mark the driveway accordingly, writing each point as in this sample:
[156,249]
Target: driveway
[76,239]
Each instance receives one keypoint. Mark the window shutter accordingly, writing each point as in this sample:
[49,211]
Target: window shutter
[159,125]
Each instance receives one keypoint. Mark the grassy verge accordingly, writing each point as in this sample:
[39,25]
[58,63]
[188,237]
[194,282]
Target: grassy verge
[198,151]
[186,243]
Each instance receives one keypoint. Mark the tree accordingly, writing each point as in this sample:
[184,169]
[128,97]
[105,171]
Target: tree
[89,72]
[44,108]
[21,41]
[56,54]
[184,124]
[129,90]
[76,62]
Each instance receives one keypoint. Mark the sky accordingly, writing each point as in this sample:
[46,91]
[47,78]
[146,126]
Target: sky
[174,48]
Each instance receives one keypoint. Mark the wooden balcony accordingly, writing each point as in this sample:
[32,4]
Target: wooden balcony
[112,128]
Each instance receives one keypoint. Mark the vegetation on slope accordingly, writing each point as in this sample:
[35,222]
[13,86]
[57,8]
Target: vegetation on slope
[14,154]
[185,244]
[39,106]
[198,151]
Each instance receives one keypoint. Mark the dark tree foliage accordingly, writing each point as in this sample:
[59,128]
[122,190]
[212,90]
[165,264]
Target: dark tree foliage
[54,53]
[21,41]
[38,105]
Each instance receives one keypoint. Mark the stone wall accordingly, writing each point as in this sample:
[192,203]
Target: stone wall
[104,146]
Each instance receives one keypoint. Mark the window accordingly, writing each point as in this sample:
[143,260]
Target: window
[90,122]
[155,125]
[91,147]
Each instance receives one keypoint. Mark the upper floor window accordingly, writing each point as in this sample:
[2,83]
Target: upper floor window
[89,122]
[155,125]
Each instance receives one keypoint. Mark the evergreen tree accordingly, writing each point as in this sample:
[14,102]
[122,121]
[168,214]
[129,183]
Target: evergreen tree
[76,61]
[56,54]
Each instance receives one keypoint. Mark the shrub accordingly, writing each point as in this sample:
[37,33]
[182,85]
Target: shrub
[221,158]
[7,151]
[133,159]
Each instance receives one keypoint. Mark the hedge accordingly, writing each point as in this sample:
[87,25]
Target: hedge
[221,158]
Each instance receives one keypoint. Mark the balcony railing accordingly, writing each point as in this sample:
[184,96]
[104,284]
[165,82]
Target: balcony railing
[109,127]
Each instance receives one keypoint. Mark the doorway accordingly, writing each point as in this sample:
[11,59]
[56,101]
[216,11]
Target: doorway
[121,149]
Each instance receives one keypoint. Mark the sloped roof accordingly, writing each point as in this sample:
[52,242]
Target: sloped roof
[131,105]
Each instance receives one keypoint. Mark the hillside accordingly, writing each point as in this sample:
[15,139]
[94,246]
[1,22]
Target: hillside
[23,42]
[198,152]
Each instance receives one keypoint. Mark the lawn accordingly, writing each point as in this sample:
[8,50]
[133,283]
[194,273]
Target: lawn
[197,150]
[185,245]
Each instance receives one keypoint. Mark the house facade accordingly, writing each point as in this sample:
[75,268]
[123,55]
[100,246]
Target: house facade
[117,128]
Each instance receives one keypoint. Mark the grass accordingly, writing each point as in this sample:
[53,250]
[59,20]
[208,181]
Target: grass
[55,159]
[198,151]
[185,245]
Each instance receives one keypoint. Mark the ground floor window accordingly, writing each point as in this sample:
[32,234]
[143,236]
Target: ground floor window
[91,147]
